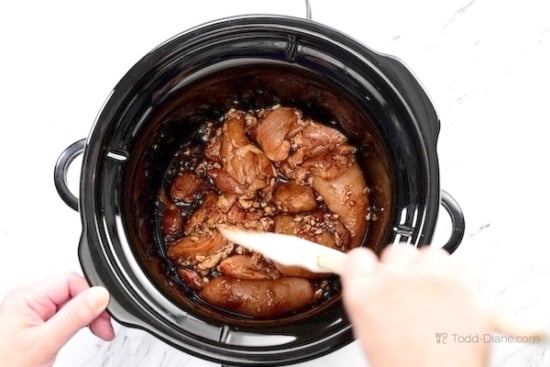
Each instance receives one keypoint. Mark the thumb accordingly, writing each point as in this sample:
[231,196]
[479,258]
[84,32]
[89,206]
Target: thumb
[360,263]
[76,314]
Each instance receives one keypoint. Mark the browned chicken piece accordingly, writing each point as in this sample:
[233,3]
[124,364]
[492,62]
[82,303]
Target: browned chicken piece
[244,161]
[346,196]
[257,261]
[328,165]
[206,263]
[341,235]
[207,214]
[172,222]
[225,182]
[212,150]
[291,197]
[314,140]
[226,202]
[185,186]
[317,150]
[259,298]
[191,246]
[239,216]
[224,209]
[191,278]
[288,224]
[326,230]
[247,267]
[274,131]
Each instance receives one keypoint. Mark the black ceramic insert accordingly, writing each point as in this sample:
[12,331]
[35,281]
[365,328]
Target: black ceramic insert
[247,61]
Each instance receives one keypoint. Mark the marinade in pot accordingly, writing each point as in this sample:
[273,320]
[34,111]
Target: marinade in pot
[267,169]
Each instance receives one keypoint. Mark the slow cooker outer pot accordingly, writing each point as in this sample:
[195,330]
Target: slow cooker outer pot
[402,115]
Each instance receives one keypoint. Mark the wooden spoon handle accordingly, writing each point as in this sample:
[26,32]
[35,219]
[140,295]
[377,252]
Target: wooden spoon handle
[334,264]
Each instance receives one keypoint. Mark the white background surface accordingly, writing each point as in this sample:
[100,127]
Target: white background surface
[485,64]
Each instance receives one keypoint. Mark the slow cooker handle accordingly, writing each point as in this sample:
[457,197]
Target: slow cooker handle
[457,220]
[60,172]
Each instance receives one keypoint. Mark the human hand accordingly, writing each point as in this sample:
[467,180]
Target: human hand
[37,320]
[398,305]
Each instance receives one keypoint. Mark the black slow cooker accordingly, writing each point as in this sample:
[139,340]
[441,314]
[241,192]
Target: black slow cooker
[249,61]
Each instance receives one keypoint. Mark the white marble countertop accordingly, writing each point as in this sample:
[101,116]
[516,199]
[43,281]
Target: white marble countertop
[485,64]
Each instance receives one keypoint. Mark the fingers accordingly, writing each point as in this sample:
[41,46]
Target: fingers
[53,293]
[399,255]
[46,297]
[356,278]
[84,309]
[102,327]
[404,256]
[364,274]
[362,261]
[359,261]
[44,316]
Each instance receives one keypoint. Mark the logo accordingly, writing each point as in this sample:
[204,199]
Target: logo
[441,338]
